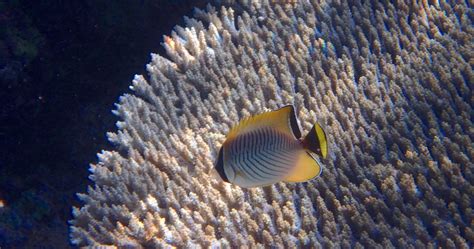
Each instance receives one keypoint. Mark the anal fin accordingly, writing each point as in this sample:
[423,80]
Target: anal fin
[306,168]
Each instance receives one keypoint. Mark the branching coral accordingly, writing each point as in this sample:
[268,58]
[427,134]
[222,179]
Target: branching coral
[391,83]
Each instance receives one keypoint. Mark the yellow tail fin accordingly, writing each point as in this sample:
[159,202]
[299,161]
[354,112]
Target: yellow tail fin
[316,141]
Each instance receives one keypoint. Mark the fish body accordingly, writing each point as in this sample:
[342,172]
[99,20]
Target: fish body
[266,149]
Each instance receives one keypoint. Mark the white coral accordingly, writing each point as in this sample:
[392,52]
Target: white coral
[389,82]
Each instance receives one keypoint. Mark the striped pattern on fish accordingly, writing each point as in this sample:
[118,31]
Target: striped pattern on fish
[266,149]
[264,155]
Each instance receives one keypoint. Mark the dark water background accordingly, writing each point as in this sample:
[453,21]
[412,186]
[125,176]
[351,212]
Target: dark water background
[62,66]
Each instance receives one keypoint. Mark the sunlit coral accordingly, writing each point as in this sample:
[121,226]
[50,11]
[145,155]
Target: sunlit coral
[391,83]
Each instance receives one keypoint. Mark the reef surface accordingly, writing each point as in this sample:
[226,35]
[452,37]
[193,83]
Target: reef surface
[391,84]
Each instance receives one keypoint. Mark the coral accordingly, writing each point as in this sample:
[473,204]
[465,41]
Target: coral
[391,83]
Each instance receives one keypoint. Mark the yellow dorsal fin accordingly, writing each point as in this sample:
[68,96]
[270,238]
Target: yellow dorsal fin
[306,168]
[283,120]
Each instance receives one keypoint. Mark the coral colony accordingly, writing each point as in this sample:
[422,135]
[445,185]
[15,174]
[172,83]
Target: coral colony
[390,83]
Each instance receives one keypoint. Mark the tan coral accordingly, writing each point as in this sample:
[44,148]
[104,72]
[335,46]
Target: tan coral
[388,82]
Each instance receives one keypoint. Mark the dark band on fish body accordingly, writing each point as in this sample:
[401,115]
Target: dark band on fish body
[264,135]
[255,149]
[276,150]
[241,154]
[260,165]
[251,147]
[294,123]
[220,165]
[271,146]
[270,163]
[247,165]
[247,169]
[277,165]
[242,160]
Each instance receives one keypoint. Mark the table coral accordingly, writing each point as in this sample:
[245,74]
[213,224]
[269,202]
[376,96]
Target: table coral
[391,83]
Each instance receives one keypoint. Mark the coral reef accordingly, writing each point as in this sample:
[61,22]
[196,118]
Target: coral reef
[44,70]
[391,83]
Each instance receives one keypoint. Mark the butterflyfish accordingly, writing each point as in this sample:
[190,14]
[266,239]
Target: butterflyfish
[268,148]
